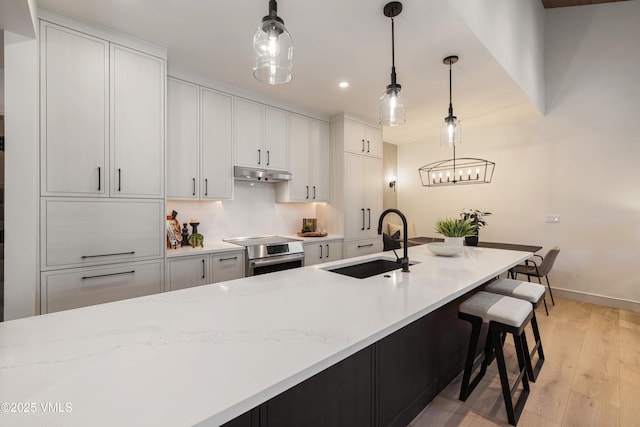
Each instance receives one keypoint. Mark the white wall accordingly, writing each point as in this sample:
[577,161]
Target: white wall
[253,212]
[21,169]
[579,161]
[513,31]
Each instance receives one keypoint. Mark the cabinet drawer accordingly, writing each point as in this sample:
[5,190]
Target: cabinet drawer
[227,266]
[363,247]
[80,287]
[79,233]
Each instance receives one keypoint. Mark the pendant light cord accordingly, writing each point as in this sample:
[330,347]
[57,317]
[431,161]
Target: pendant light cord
[450,103]
[393,55]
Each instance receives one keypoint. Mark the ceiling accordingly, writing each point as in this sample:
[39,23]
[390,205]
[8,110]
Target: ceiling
[548,4]
[334,40]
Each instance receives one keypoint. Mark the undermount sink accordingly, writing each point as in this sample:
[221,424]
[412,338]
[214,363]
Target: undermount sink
[368,268]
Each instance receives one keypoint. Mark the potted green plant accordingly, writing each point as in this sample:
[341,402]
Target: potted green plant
[477,218]
[454,230]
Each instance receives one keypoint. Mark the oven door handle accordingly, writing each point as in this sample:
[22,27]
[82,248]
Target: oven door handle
[276,260]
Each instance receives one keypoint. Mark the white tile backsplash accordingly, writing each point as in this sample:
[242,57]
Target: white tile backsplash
[253,212]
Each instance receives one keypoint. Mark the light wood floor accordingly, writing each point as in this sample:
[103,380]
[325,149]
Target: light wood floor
[591,375]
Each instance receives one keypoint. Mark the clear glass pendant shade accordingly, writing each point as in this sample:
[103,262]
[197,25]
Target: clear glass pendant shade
[274,53]
[392,110]
[451,132]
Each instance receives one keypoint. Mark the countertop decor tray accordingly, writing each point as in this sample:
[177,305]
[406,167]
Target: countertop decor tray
[312,234]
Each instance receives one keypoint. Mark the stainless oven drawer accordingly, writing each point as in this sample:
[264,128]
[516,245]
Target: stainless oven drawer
[275,263]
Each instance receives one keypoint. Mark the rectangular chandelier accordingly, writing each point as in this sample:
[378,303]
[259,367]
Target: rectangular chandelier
[457,171]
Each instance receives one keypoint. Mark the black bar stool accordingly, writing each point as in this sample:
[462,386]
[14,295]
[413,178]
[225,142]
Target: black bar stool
[533,293]
[504,315]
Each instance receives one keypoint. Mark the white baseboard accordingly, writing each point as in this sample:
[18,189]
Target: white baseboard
[597,299]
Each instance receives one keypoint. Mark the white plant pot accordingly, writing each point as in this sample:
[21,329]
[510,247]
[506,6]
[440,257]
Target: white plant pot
[454,241]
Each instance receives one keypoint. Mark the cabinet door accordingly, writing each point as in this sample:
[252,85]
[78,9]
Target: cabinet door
[74,112]
[82,232]
[301,158]
[227,266]
[249,131]
[372,189]
[276,148]
[80,287]
[217,146]
[333,251]
[186,272]
[373,138]
[137,123]
[354,139]
[355,212]
[182,140]
[314,253]
[320,167]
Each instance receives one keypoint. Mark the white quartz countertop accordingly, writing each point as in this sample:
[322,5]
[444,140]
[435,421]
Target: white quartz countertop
[201,356]
[214,246]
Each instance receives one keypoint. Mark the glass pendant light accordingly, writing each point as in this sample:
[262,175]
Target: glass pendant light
[273,48]
[392,111]
[451,131]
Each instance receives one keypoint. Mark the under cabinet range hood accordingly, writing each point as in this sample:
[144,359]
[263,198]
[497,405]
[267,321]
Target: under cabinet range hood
[262,175]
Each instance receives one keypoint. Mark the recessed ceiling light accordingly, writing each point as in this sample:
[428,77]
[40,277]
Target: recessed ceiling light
[344,84]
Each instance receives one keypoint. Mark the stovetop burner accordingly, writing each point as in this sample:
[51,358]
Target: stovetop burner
[260,240]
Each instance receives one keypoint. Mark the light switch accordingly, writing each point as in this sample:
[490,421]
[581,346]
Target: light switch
[552,218]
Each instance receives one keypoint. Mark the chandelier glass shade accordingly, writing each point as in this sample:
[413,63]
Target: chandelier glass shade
[392,102]
[273,49]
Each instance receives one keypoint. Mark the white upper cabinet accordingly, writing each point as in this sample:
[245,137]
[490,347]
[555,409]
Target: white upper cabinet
[137,123]
[102,117]
[74,92]
[320,171]
[199,142]
[183,146]
[309,141]
[261,134]
[276,141]
[216,164]
[363,196]
[362,139]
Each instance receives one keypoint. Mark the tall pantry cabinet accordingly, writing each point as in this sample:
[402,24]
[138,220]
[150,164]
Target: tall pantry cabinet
[356,197]
[102,166]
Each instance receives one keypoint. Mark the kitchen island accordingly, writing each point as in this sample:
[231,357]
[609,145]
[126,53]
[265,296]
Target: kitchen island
[206,355]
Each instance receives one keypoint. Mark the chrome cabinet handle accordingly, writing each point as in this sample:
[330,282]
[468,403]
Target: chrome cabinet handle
[110,274]
[194,186]
[320,251]
[228,259]
[203,268]
[119,180]
[114,254]
[362,218]
[259,156]
[365,246]
[99,179]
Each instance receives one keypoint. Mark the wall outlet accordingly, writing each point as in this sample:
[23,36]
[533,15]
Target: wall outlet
[552,218]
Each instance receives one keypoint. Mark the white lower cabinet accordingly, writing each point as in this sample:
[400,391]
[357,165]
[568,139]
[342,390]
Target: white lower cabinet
[80,287]
[320,252]
[227,266]
[363,247]
[196,270]
[186,272]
